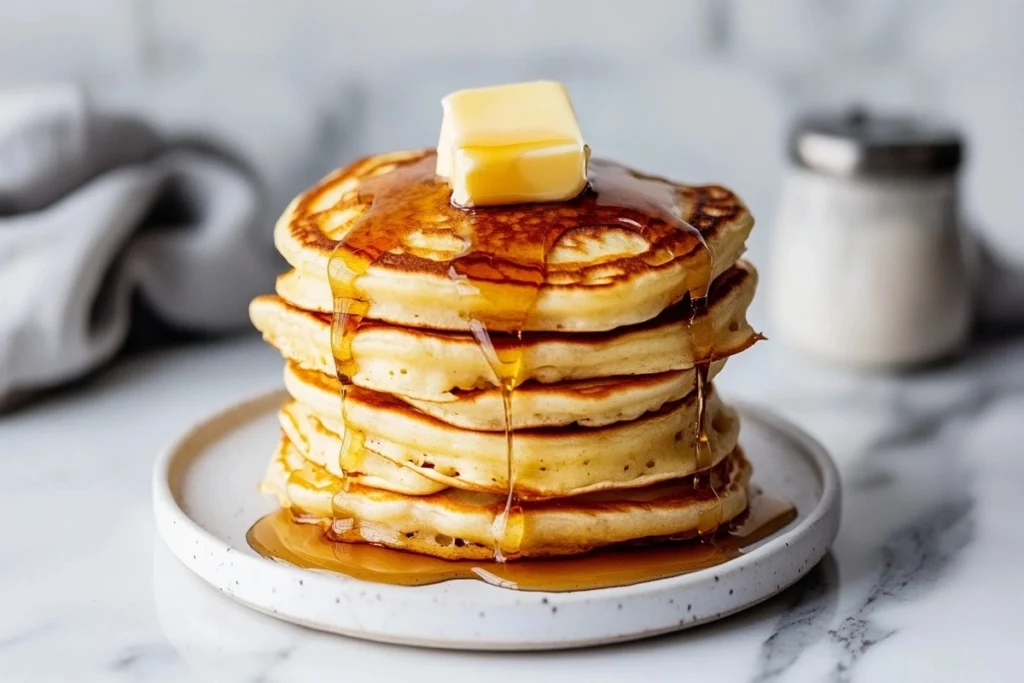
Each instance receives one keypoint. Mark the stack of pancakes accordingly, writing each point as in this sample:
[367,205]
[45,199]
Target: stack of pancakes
[604,416]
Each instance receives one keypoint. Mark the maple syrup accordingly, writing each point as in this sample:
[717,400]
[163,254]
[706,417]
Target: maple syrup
[279,536]
[702,331]
[500,269]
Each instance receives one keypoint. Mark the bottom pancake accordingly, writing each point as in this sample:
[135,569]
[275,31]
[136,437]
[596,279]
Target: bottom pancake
[456,524]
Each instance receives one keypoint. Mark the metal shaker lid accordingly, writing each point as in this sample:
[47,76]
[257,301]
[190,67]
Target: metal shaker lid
[858,143]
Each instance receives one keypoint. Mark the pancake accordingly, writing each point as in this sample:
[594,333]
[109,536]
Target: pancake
[607,268]
[457,524]
[360,465]
[428,365]
[589,402]
[547,463]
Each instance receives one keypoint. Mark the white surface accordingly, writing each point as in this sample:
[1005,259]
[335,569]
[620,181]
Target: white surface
[205,500]
[922,584]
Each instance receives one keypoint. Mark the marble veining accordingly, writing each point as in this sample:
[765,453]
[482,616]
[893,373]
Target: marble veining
[804,622]
[920,584]
[912,561]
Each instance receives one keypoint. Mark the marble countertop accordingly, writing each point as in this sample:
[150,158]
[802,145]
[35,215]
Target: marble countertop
[923,582]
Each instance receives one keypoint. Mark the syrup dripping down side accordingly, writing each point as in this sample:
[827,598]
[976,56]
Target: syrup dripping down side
[702,331]
[508,526]
[661,199]
[353,256]
[492,258]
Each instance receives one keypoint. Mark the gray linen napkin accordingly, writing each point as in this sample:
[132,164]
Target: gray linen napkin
[98,209]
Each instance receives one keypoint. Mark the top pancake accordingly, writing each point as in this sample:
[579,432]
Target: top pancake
[617,255]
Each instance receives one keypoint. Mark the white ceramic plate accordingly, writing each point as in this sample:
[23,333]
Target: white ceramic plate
[205,499]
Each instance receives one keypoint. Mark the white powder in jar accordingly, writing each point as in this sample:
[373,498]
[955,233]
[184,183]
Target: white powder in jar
[871,271]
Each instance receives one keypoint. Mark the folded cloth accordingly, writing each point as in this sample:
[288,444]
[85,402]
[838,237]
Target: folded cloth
[99,209]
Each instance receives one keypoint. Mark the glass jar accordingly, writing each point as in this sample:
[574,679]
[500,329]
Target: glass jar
[869,263]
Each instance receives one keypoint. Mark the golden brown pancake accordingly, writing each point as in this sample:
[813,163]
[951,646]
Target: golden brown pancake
[598,275]
[455,524]
[360,465]
[429,365]
[588,402]
[546,463]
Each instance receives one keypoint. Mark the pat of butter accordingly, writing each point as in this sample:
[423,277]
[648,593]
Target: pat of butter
[511,144]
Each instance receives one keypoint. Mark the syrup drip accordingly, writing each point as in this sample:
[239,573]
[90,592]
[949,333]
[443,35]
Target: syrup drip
[499,266]
[702,331]
[279,537]
[484,262]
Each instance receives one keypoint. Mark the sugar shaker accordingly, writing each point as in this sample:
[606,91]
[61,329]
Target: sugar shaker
[870,265]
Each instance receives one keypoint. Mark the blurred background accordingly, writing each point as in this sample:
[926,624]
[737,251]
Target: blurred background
[700,90]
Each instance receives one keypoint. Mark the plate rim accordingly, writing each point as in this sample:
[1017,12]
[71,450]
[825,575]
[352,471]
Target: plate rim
[168,511]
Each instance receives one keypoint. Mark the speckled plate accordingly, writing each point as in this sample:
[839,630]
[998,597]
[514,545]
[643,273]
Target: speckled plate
[205,499]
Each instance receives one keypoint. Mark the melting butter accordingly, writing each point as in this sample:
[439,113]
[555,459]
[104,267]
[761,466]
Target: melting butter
[511,144]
